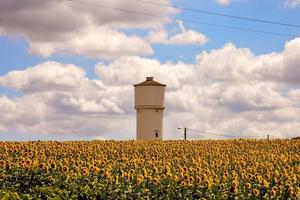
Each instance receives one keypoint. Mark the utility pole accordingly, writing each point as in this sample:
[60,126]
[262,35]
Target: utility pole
[268,137]
[184,131]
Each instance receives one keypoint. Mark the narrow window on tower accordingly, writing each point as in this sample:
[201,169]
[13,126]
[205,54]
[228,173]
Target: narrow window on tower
[156,133]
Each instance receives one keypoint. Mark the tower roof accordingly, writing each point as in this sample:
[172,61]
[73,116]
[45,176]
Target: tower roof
[149,82]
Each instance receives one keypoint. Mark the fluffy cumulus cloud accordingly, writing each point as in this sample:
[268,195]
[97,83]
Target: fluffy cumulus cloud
[184,37]
[97,42]
[44,77]
[80,28]
[60,99]
[227,91]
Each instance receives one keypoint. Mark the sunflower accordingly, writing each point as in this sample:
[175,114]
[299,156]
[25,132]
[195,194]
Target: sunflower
[140,179]
[273,193]
[225,196]
[235,191]
[42,166]
[183,183]
[85,171]
[265,183]
[155,180]
[255,192]
[294,195]
[53,165]
[248,186]
[290,189]
[95,169]
[28,162]
[65,168]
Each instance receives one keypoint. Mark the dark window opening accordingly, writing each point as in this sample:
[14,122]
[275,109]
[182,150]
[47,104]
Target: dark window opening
[156,133]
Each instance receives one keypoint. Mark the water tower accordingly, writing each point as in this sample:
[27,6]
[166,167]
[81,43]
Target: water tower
[149,105]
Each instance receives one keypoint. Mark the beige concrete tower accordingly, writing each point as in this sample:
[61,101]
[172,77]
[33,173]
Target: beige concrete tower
[149,105]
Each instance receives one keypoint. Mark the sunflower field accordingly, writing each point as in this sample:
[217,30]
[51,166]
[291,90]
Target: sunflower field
[207,169]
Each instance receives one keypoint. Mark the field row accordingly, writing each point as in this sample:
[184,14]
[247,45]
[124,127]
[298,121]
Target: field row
[226,169]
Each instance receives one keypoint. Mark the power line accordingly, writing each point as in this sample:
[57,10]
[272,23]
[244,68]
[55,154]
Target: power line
[204,132]
[232,136]
[220,14]
[185,20]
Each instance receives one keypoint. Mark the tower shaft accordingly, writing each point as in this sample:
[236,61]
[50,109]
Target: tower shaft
[149,105]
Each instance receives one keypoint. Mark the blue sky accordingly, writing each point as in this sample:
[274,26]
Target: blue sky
[22,47]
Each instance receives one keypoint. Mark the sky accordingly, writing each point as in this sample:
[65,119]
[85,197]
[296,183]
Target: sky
[67,68]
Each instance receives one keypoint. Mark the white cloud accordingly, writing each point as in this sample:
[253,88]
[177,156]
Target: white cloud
[282,66]
[242,65]
[129,70]
[228,90]
[288,3]
[292,3]
[227,2]
[294,94]
[95,42]
[66,27]
[158,36]
[60,99]
[44,77]
[184,37]
[189,37]
[225,64]
[224,2]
